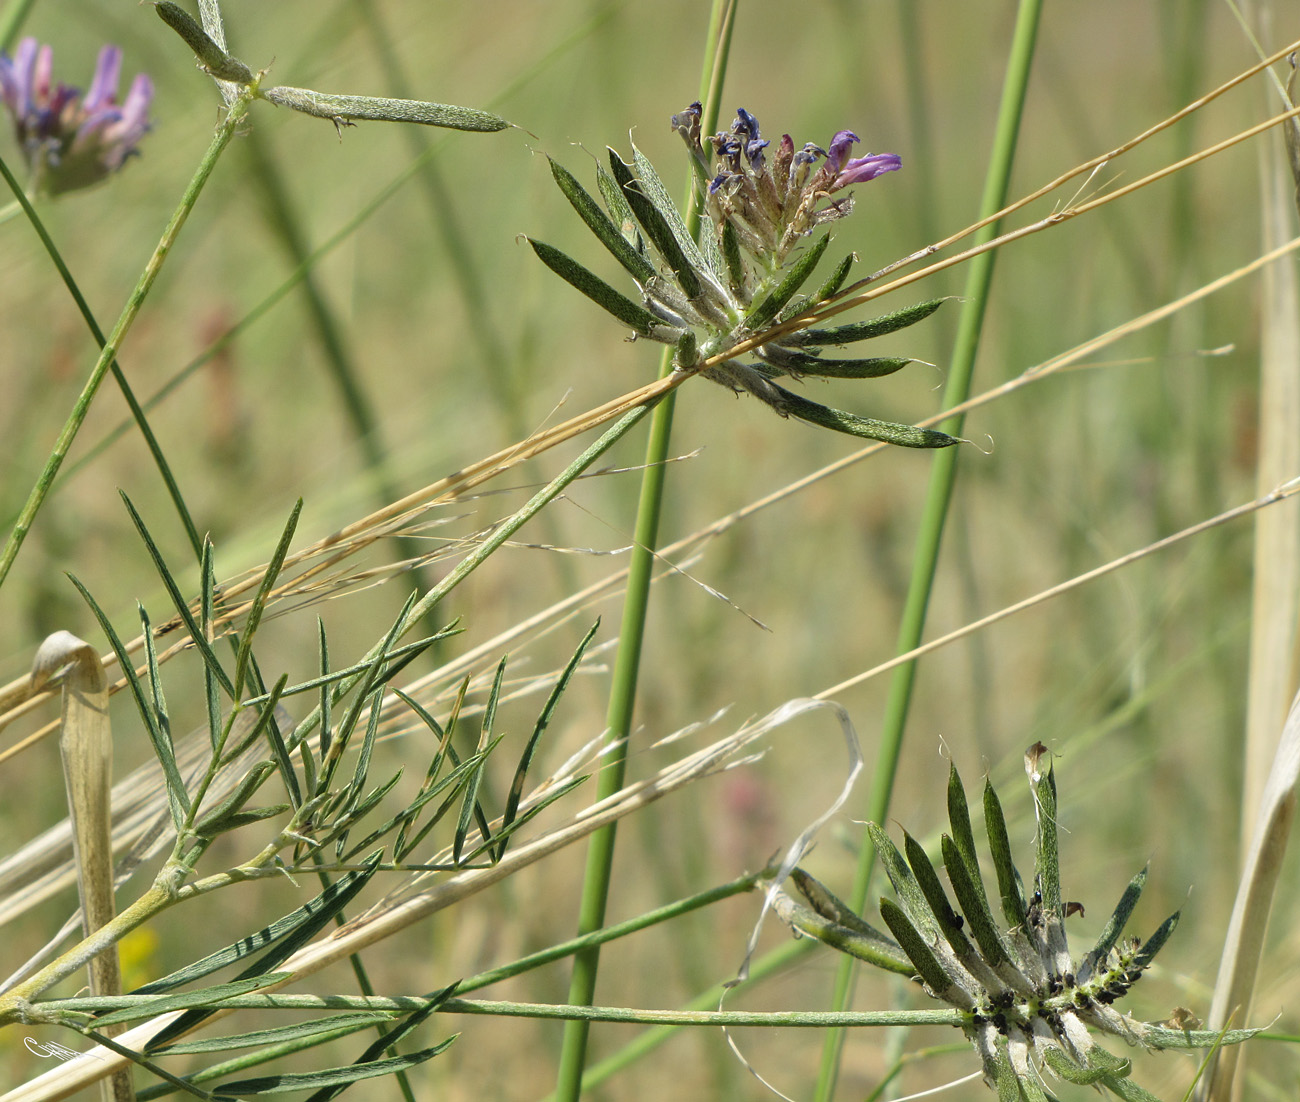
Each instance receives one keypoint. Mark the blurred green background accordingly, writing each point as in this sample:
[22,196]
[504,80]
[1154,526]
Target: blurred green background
[1137,682]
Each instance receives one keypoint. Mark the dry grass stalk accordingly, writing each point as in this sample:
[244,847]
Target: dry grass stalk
[86,747]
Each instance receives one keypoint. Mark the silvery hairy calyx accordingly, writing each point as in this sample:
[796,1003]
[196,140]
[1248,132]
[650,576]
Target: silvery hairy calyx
[744,272]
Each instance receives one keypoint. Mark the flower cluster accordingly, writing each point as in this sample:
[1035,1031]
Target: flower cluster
[730,285]
[69,140]
[1025,1005]
[771,206]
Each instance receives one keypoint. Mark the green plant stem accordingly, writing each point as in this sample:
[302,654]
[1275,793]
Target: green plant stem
[158,898]
[623,690]
[54,1010]
[22,203]
[622,700]
[618,722]
[943,475]
[767,965]
[15,15]
[497,975]
[611,933]
[234,117]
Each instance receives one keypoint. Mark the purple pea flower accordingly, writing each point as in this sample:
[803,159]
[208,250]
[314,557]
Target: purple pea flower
[772,205]
[839,149]
[859,170]
[71,141]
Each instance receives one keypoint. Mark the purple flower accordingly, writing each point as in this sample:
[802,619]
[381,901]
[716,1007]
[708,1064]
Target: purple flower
[839,148]
[771,205]
[68,140]
[861,169]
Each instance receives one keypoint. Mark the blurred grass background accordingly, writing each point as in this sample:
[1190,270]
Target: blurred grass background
[1137,682]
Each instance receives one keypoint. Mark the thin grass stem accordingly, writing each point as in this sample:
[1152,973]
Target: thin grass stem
[627,663]
[225,132]
[137,411]
[943,474]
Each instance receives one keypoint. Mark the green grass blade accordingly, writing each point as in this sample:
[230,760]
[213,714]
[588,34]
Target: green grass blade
[354,814]
[470,808]
[218,819]
[165,1004]
[182,607]
[539,728]
[387,1039]
[280,751]
[430,774]
[326,696]
[144,1062]
[258,605]
[286,937]
[456,780]
[327,902]
[364,685]
[334,1025]
[207,624]
[362,767]
[327,1077]
[160,727]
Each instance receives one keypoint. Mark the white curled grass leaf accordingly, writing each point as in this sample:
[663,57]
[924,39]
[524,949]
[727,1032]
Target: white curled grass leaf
[86,748]
[1239,966]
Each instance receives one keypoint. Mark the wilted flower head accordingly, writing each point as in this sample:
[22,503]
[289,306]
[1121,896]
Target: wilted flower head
[69,140]
[743,275]
[1030,1009]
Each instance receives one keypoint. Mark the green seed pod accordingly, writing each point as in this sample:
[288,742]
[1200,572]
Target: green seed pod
[327,105]
[215,60]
